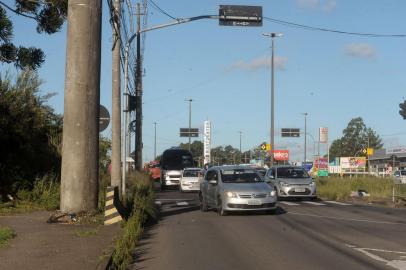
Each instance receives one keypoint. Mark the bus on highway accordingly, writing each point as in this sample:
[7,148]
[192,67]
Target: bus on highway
[172,163]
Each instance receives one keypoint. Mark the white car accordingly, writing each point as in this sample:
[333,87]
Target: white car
[400,176]
[191,179]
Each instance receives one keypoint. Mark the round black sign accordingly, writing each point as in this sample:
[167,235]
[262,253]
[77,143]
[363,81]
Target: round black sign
[104,119]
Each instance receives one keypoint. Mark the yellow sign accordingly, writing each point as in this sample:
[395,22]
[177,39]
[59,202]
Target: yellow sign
[263,146]
[370,151]
[268,147]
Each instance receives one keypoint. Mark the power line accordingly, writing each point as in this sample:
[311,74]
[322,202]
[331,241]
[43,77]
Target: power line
[161,10]
[312,28]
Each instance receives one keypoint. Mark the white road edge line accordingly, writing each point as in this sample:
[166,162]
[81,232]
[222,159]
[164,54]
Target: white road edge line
[288,203]
[315,203]
[339,203]
[348,219]
[182,203]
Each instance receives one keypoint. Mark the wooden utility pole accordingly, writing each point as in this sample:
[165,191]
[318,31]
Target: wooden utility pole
[80,150]
[138,96]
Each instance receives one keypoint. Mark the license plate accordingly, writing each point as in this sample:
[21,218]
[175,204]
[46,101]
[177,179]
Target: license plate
[300,190]
[254,202]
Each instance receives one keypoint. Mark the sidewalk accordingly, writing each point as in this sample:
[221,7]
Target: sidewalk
[40,245]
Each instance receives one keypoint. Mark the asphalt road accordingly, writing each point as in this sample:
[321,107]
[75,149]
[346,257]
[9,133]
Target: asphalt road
[302,235]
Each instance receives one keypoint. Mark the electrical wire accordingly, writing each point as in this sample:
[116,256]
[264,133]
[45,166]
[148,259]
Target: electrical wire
[312,28]
[154,5]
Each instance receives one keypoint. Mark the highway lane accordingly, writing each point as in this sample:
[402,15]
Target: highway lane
[301,235]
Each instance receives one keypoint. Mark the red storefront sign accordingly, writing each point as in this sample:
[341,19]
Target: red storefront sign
[281,155]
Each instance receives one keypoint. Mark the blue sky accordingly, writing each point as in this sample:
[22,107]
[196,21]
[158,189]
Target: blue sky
[226,71]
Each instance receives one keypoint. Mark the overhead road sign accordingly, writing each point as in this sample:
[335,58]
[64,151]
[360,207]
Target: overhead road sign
[236,15]
[290,132]
[193,132]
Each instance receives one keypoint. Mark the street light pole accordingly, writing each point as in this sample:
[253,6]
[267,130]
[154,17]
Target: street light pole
[305,142]
[240,145]
[272,135]
[155,123]
[190,117]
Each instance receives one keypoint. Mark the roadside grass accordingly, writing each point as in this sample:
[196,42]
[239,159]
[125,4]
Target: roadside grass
[43,195]
[336,188]
[6,234]
[141,205]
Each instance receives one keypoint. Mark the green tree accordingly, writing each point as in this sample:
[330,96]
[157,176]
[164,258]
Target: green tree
[196,148]
[49,16]
[356,137]
[29,133]
[402,111]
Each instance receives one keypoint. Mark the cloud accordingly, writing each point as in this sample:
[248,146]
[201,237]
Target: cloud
[329,5]
[360,50]
[259,63]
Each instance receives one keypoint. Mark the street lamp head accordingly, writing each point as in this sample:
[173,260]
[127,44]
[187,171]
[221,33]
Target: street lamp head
[272,34]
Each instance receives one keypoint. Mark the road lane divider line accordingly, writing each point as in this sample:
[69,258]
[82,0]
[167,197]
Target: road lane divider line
[339,203]
[314,203]
[289,203]
[182,203]
[347,219]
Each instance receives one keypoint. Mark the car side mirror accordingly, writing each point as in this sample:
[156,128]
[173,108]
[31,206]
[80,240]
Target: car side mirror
[213,182]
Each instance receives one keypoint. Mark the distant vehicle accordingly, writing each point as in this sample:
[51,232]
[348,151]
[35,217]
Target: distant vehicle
[291,181]
[400,176]
[191,179]
[153,170]
[236,188]
[172,163]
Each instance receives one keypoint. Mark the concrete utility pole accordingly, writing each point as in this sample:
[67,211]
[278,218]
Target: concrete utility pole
[138,96]
[190,118]
[116,102]
[80,150]
[155,123]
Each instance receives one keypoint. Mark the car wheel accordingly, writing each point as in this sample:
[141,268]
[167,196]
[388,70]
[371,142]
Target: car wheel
[220,209]
[314,198]
[163,187]
[203,204]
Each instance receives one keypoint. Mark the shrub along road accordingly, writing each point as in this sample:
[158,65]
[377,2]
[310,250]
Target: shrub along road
[302,235]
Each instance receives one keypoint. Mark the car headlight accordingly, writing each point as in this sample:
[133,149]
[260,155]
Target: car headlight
[230,194]
[312,183]
[283,184]
[272,193]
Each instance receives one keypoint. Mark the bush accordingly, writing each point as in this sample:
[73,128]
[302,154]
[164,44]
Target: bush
[45,193]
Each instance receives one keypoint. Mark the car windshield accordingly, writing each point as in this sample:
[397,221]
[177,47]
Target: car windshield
[191,173]
[240,176]
[403,172]
[290,172]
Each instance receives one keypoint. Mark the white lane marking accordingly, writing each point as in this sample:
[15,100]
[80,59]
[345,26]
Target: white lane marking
[348,219]
[182,203]
[315,203]
[158,202]
[339,203]
[397,264]
[289,203]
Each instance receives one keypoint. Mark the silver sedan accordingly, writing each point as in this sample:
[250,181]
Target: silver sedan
[292,181]
[236,188]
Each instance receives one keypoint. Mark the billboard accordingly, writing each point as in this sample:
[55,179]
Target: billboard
[353,162]
[323,135]
[321,166]
[281,155]
[207,142]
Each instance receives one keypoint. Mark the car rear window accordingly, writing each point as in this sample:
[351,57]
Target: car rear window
[190,173]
